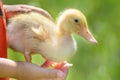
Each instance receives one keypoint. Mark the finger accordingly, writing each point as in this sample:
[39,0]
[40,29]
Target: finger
[20,9]
[36,72]
[51,73]
[25,9]
[66,71]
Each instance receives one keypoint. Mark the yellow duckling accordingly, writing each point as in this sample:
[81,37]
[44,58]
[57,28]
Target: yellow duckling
[35,33]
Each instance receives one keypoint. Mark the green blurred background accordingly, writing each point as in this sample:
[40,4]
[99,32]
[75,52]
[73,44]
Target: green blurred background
[92,62]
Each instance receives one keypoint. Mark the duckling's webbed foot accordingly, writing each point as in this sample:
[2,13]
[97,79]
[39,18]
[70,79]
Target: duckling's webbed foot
[63,66]
[46,64]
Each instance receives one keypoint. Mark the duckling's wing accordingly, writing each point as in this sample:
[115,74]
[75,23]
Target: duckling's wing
[40,33]
[25,31]
[32,25]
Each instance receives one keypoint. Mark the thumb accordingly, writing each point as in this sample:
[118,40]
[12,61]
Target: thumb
[50,73]
[29,71]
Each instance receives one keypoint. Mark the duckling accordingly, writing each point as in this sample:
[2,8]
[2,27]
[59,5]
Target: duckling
[35,33]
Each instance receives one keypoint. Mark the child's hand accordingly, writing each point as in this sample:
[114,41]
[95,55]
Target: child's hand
[29,71]
[16,8]
[12,10]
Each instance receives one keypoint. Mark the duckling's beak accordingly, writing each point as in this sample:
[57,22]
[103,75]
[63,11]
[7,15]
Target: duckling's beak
[88,36]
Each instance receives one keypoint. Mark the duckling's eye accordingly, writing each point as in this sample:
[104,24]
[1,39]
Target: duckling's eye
[76,20]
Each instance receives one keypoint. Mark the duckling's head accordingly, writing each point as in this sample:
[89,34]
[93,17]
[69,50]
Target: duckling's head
[74,21]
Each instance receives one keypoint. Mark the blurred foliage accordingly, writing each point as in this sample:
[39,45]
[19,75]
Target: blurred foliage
[92,62]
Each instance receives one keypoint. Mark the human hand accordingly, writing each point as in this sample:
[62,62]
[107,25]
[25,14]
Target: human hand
[16,8]
[63,68]
[45,74]
[29,71]
[21,8]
